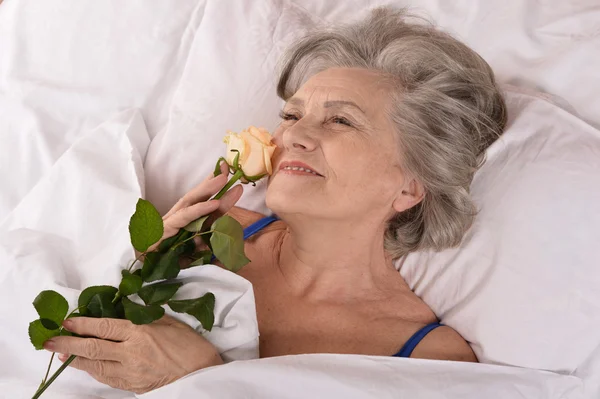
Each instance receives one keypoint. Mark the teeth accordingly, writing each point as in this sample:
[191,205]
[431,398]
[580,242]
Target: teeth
[300,169]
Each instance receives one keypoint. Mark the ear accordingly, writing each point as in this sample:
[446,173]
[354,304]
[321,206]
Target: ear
[411,194]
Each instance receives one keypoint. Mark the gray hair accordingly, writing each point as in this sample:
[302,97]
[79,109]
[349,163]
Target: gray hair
[445,104]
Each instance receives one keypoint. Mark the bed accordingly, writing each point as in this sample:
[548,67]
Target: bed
[105,102]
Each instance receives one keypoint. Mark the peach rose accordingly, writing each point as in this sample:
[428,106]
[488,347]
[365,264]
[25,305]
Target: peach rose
[255,148]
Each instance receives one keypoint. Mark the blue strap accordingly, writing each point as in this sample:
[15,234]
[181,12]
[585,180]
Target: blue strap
[413,341]
[255,228]
[258,225]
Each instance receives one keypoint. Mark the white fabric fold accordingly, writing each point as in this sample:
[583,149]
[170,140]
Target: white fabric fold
[71,232]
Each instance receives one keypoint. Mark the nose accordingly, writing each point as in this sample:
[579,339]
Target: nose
[298,138]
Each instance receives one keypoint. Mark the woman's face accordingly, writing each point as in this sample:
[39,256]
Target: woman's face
[336,124]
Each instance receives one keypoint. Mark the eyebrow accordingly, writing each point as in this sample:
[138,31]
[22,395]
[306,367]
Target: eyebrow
[328,104]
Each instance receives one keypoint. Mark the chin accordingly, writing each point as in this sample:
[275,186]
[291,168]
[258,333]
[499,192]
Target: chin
[281,200]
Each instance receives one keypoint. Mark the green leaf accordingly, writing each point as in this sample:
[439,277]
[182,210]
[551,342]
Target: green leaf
[236,165]
[139,314]
[38,334]
[201,308]
[159,293]
[150,262]
[49,324]
[169,242]
[145,226]
[119,309]
[201,258]
[52,308]
[228,243]
[217,171]
[166,266]
[101,306]
[86,295]
[196,225]
[130,284]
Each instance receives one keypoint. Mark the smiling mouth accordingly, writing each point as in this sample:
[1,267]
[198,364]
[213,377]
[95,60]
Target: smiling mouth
[299,169]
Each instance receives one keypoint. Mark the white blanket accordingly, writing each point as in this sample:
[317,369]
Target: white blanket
[368,377]
[71,232]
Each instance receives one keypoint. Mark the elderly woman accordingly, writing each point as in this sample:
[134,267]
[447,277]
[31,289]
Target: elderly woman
[384,124]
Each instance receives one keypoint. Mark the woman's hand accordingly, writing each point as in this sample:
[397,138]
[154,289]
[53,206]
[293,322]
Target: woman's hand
[131,357]
[195,204]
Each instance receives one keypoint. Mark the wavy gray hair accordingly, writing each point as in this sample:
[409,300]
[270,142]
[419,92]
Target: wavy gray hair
[445,104]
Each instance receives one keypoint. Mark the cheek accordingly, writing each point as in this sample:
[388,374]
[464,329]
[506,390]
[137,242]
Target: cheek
[371,168]
[277,134]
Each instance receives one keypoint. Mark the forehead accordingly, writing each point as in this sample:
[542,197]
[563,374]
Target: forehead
[363,86]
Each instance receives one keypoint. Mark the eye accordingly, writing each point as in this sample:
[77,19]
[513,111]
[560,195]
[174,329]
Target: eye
[341,121]
[286,116]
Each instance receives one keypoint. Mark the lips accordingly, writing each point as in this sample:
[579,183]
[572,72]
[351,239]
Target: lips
[297,165]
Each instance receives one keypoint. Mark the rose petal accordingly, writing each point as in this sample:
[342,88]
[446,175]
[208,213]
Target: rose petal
[255,162]
[236,142]
[261,134]
[267,160]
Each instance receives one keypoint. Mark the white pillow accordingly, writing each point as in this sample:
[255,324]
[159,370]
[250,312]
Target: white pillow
[228,84]
[523,287]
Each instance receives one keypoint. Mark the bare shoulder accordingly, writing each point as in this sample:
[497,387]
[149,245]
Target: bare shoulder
[444,343]
[246,217]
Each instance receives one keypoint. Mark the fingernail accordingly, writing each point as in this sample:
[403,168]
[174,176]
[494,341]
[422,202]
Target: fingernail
[68,324]
[62,357]
[49,345]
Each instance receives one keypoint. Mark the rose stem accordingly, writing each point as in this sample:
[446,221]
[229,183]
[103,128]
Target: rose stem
[236,176]
[56,374]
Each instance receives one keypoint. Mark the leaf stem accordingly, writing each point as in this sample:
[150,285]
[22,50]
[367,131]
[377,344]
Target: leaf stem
[236,176]
[136,260]
[48,370]
[117,297]
[56,374]
[75,310]
[206,232]
[191,238]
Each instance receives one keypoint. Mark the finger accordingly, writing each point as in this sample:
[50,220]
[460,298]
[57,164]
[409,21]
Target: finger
[227,202]
[104,328]
[186,215]
[224,168]
[231,197]
[90,348]
[200,193]
[96,368]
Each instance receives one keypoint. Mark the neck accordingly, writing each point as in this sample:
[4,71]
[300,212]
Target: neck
[337,260]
